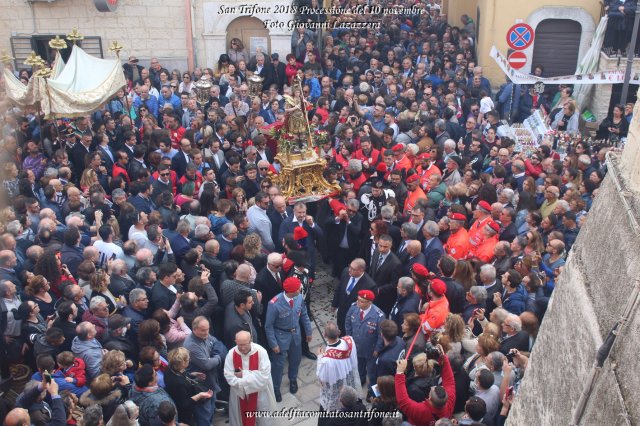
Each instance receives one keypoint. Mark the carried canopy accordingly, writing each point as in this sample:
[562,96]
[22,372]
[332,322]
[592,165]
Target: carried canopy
[76,88]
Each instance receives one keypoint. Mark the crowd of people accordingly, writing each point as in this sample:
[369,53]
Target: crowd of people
[150,268]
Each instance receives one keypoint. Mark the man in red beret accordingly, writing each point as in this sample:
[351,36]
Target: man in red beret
[415,193]
[286,313]
[362,323]
[457,245]
[490,235]
[425,169]
[401,161]
[437,308]
[481,216]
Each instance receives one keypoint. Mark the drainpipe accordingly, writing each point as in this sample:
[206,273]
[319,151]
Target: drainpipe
[188,26]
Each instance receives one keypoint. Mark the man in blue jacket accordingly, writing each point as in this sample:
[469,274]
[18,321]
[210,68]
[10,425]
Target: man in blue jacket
[514,295]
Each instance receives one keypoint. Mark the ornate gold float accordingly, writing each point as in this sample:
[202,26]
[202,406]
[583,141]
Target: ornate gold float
[301,172]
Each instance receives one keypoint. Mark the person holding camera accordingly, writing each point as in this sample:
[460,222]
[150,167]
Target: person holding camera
[441,399]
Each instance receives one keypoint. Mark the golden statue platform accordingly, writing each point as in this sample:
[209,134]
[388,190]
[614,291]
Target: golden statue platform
[301,178]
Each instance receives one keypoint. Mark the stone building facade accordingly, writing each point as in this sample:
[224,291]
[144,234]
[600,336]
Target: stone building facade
[179,33]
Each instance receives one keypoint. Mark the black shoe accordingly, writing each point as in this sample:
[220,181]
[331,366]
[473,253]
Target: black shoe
[310,355]
[293,386]
[278,397]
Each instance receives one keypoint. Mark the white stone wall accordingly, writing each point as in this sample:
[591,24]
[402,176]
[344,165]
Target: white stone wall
[144,27]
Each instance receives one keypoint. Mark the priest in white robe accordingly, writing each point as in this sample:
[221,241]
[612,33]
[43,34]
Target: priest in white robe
[248,371]
[337,367]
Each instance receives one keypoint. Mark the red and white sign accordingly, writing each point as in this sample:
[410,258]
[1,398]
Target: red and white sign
[520,36]
[517,60]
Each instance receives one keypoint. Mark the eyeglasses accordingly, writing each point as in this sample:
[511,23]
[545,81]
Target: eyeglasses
[165,174]
[143,109]
[475,110]
[186,76]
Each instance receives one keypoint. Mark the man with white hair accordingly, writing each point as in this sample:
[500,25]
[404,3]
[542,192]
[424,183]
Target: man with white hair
[513,337]
[121,283]
[247,369]
[269,279]
[98,315]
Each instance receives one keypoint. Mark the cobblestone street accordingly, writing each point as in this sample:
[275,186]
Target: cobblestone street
[308,395]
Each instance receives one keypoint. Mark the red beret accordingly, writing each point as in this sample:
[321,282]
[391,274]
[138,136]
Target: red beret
[381,168]
[413,178]
[420,270]
[299,233]
[367,295]
[494,225]
[291,285]
[336,206]
[398,147]
[484,206]
[438,287]
[424,156]
[457,216]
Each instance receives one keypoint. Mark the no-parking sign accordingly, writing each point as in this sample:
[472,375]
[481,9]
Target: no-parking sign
[520,36]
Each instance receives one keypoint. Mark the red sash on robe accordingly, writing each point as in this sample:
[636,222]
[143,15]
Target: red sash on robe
[340,353]
[251,402]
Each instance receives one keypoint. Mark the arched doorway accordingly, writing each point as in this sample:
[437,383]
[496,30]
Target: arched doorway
[557,46]
[252,33]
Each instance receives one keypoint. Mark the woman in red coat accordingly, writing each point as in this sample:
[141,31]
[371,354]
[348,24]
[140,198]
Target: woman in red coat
[292,67]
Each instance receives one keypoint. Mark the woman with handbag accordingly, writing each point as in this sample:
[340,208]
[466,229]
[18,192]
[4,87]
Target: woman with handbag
[184,388]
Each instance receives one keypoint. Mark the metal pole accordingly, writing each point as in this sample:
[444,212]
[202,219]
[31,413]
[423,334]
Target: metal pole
[630,54]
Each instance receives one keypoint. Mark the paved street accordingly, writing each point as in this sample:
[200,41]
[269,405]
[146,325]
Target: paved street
[308,395]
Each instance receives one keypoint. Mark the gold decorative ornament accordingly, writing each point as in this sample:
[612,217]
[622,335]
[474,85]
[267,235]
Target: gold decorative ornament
[6,58]
[74,36]
[33,59]
[115,47]
[44,72]
[57,43]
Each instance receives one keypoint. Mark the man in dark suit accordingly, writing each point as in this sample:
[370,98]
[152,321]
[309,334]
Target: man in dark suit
[182,158]
[432,246]
[491,284]
[264,70]
[455,292]
[387,215]
[385,270]
[141,200]
[80,151]
[344,229]
[509,230]
[353,279]
[8,263]
[164,291]
[136,162]
[277,213]
[314,232]
[414,255]
[229,233]
[212,263]
[278,72]
[513,336]
[180,243]
[269,280]
[408,232]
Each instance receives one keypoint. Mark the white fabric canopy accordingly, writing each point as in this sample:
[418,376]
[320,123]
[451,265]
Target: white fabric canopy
[589,63]
[76,88]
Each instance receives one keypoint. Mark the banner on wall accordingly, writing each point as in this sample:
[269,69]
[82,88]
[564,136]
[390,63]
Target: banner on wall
[606,77]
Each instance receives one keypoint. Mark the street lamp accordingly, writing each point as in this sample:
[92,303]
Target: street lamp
[202,88]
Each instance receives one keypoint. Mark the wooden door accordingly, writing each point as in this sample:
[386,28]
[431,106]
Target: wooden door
[252,33]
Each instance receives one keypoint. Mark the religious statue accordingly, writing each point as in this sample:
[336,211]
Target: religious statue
[295,108]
